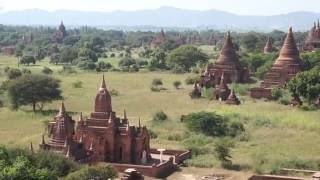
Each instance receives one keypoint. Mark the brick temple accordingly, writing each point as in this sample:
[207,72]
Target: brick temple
[227,64]
[104,137]
[286,66]
[158,40]
[312,42]
[60,34]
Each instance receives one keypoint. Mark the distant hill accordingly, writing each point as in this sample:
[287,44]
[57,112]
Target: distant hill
[162,17]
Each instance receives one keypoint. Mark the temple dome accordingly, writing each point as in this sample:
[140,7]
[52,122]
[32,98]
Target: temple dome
[103,99]
[228,55]
[289,53]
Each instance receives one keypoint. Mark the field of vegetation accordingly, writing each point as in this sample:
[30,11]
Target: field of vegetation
[276,135]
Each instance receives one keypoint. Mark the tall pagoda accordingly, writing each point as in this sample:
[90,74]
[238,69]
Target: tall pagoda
[312,42]
[286,66]
[227,64]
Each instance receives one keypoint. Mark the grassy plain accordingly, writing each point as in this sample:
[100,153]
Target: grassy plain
[274,132]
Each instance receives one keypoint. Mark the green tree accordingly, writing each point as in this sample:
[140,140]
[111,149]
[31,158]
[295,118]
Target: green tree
[127,63]
[13,73]
[68,55]
[306,84]
[185,57]
[28,59]
[250,41]
[33,89]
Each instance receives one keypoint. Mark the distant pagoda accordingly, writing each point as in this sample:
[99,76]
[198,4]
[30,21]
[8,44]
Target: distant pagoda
[286,66]
[60,34]
[158,40]
[268,48]
[312,42]
[227,64]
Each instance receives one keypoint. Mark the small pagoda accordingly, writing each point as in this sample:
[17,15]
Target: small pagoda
[286,66]
[227,64]
[268,47]
[312,42]
[233,99]
[222,90]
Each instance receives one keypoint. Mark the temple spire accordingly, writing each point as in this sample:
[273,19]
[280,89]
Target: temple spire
[80,117]
[91,145]
[68,152]
[43,142]
[139,122]
[124,114]
[62,110]
[103,83]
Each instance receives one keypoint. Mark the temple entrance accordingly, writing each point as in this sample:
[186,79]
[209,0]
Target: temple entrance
[120,154]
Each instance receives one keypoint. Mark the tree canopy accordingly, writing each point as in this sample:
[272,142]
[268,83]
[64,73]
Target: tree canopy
[186,57]
[33,89]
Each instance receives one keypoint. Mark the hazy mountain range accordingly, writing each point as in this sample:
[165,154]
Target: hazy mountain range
[162,17]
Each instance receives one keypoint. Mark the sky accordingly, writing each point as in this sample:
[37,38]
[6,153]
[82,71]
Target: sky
[243,7]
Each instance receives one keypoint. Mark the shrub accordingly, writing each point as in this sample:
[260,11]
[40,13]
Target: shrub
[157,82]
[77,84]
[114,92]
[87,65]
[208,93]
[155,89]
[94,173]
[46,70]
[235,128]
[222,150]
[208,123]
[192,79]
[112,55]
[25,71]
[103,65]
[13,73]
[153,134]
[160,116]
[67,70]
[177,84]
[277,93]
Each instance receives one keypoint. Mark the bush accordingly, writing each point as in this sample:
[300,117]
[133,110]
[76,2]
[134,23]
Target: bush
[211,124]
[25,71]
[155,89]
[153,134]
[46,70]
[77,84]
[114,92]
[93,173]
[192,79]
[87,65]
[277,93]
[208,93]
[104,66]
[157,82]
[222,151]
[112,55]
[160,116]
[13,73]
[67,70]
[208,123]
[177,84]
